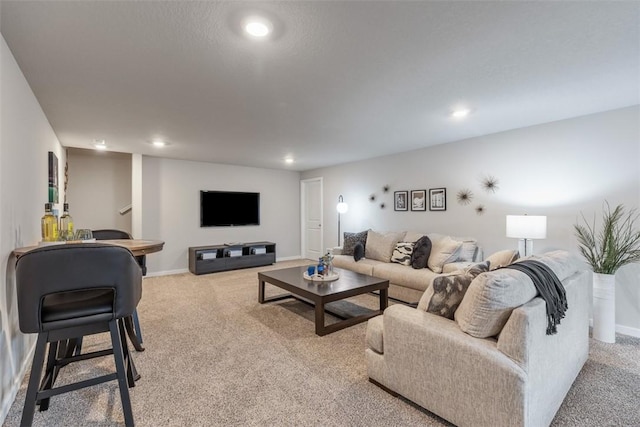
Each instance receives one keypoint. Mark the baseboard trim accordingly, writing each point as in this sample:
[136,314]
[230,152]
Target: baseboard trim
[627,330]
[168,272]
[624,330]
[15,387]
[289,258]
[186,270]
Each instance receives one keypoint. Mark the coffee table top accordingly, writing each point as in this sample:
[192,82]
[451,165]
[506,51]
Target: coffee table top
[346,283]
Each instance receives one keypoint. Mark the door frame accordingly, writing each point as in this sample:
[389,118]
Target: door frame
[303,210]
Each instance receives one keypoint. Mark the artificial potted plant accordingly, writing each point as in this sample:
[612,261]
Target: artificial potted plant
[617,243]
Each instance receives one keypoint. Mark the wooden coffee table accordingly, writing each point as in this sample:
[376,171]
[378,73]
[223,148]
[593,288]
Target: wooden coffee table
[321,293]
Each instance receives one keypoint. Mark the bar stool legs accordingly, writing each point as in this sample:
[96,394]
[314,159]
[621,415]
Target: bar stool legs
[61,353]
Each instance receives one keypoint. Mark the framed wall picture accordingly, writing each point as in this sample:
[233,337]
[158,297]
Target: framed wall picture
[437,199]
[418,200]
[400,200]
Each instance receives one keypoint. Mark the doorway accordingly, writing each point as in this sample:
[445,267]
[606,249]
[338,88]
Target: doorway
[311,211]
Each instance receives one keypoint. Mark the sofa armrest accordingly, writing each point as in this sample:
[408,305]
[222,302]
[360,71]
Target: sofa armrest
[337,250]
[524,337]
[552,362]
[430,361]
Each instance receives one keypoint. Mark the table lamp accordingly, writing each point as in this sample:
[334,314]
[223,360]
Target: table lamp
[526,228]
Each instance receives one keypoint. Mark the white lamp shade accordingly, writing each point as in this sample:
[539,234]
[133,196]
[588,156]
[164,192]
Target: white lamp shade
[527,226]
[342,207]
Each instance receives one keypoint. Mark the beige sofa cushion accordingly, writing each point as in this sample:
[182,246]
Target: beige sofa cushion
[364,266]
[380,246]
[443,251]
[563,263]
[490,299]
[492,296]
[403,275]
[502,258]
[412,236]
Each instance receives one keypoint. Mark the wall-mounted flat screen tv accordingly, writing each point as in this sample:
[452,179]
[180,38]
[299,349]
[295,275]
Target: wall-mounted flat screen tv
[229,208]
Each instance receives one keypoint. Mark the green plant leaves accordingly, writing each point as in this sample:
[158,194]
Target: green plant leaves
[615,245]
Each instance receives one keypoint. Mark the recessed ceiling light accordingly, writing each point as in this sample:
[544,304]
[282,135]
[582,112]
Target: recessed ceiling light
[288,160]
[458,114]
[100,144]
[158,143]
[258,27]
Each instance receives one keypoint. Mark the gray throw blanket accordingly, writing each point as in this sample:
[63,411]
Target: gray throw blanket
[549,288]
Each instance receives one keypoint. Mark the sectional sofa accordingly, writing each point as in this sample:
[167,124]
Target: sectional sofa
[406,283]
[493,364]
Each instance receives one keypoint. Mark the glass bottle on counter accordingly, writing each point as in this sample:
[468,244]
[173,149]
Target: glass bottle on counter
[66,224]
[49,225]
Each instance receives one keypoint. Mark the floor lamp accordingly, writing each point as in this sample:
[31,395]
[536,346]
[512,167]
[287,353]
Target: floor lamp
[341,207]
[526,228]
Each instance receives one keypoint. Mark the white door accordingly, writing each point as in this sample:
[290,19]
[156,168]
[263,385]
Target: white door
[311,197]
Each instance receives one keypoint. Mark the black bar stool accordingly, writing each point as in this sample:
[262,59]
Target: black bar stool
[66,292]
[133,329]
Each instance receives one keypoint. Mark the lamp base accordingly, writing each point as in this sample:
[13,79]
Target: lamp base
[525,247]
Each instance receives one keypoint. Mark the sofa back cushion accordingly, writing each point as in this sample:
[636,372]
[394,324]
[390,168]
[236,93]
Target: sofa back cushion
[503,258]
[380,246]
[490,299]
[492,296]
[402,253]
[443,251]
[412,236]
[447,291]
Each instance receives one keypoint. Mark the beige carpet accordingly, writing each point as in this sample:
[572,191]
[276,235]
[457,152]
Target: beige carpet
[215,357]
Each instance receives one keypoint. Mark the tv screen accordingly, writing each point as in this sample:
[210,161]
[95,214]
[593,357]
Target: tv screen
[229,208]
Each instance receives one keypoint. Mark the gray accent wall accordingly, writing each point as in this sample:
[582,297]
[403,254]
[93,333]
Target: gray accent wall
[171,208]
[25,140]
[558,169]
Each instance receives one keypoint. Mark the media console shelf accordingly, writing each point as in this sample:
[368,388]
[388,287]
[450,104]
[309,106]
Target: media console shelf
[209,259]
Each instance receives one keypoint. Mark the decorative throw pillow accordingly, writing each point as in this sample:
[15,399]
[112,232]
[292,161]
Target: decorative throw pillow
[468,250]
[380,245]
[503,258]
[358,252]
[350,240]
[446,292]
[421,252]
[402,253]
[490,299]
[443,251]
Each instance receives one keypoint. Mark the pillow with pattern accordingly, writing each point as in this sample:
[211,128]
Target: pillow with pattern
[350,240]
[446,292]
[402,253]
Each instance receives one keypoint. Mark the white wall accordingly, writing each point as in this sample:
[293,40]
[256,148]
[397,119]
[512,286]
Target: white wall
[557,169]
[25,140]
[171,208]
[99,186]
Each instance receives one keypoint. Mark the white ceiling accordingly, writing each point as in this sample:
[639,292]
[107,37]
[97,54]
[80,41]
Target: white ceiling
[338,81]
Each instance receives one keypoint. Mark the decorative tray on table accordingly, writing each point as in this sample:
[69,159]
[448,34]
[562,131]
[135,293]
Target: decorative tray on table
[319,278]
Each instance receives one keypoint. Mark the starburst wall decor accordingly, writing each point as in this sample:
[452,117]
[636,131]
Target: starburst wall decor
[465,196]
[490,184]
[480,209]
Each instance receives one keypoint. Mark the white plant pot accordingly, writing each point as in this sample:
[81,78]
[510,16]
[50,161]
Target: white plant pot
[604,307]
